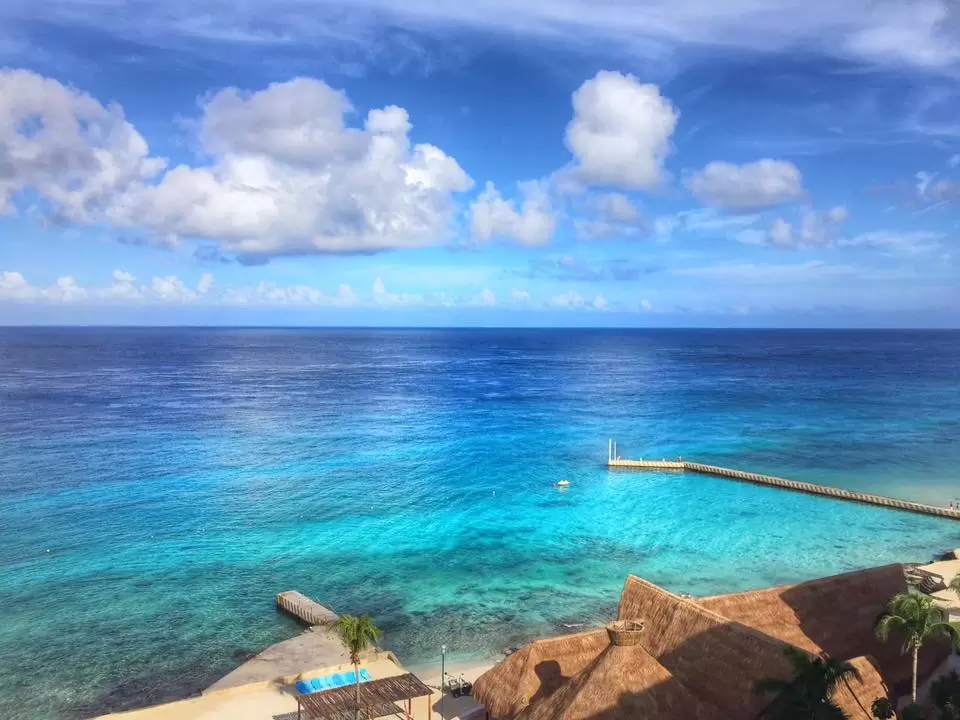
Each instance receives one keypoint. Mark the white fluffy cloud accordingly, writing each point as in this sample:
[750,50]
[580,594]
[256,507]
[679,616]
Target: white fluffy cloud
[816,229]
[491,216]
[288,176]
[751,186]
[568,300]
[124,288]
[781,233]
[75,153]
[620,132]
[485,298]
[614,216]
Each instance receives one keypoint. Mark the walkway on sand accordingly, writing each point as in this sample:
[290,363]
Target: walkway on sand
[811,488]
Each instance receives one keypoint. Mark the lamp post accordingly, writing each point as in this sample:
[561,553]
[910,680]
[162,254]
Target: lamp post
[443,676]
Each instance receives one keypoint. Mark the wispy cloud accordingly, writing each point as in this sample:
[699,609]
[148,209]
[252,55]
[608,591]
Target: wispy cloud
[769,272]
[922,33]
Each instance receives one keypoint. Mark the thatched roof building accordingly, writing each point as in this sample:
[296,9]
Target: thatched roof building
[833,615]
[623,681]
[700,659]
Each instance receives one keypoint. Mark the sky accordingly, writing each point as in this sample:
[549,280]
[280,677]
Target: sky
[648,163]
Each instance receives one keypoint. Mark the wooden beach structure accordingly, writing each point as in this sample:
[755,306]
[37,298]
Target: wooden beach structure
[677,658]
[615,461]
[378,698]
[307,610]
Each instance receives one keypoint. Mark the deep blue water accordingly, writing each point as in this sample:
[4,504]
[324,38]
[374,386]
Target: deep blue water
[159,486]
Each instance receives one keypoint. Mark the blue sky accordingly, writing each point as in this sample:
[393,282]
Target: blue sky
[658,163]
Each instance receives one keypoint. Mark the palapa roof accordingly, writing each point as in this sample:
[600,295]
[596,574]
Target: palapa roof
[856,696]
[701,659]
[536,671]
[377,698]
[835,615]
[717,659]
[623,682]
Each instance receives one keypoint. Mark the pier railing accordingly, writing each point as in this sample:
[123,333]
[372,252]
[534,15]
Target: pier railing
[798,486]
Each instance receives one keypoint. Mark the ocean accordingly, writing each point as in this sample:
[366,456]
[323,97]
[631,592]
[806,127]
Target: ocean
[159,486]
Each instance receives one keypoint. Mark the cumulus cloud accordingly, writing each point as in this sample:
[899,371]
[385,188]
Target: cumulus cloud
[519,295]
[614,216]
[781,233]
[600,303]
[485,298]
[816,229]
[568,300]
[288,175]
[124,288]
[751,186]
[75,153]
[620,132]
[491,216]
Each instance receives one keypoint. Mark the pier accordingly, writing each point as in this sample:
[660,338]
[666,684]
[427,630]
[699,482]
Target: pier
[615,461]
[304,609]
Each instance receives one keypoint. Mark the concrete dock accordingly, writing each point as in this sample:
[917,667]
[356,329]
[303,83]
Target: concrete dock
[614,461]
[304,609]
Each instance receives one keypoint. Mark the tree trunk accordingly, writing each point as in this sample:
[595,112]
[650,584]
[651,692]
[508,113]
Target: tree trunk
[916,651]
[356,672]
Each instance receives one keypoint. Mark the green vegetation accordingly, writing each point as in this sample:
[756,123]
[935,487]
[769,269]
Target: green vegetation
[882,709]
[806,696]
[358,634]
[945,694]
[918,618]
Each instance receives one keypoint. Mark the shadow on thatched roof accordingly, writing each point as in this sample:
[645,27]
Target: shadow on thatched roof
[700,660]
[536,671]
[835,615]
[623,682]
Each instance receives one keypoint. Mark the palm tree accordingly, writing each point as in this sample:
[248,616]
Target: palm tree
[882,709]
[955,584]
[919,617]
[357,633]
[807,695]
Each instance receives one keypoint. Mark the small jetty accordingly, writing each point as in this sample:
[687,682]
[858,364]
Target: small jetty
[304,609]
[615,461]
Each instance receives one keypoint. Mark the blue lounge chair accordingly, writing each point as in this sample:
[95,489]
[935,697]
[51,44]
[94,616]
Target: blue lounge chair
[326,683]
[364,675]
[302,687]
[316,685]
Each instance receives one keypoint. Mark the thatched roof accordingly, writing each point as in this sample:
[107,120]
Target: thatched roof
[720,661]
[536,671]
[835,615]
[856,696]
[623,682]
[702,658]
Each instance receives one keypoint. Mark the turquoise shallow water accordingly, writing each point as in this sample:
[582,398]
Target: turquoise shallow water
[158,487]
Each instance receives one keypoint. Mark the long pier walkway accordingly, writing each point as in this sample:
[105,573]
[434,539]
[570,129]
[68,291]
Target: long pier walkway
[615,461]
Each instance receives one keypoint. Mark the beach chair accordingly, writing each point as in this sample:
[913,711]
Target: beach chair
[316,685]
[326,683]
[364,675]
[303,687]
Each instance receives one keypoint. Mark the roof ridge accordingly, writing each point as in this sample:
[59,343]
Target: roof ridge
[808,583]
